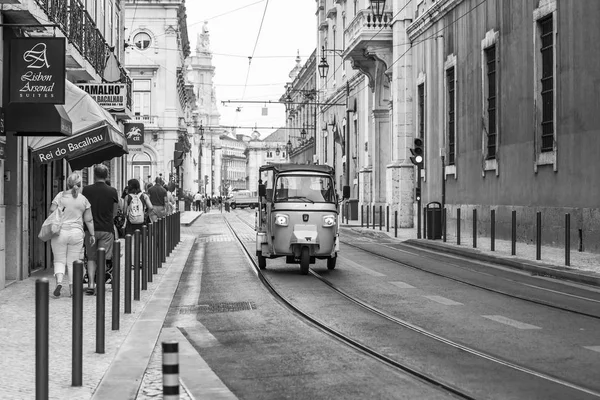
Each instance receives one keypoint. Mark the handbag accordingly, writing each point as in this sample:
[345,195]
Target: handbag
[52,224]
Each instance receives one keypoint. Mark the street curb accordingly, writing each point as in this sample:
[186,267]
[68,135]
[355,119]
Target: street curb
[524,265]
[189,223]
[124,376]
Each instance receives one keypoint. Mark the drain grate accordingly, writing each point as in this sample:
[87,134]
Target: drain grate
[217,307]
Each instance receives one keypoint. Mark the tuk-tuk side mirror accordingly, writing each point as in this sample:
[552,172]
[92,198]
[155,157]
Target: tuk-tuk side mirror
[346,192]
[262,190]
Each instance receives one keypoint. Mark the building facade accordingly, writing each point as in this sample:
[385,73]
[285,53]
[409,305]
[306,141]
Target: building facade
[35,142]
[163,98]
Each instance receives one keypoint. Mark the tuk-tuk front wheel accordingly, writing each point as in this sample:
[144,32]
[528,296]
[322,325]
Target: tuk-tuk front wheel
[304,261]
[262,261]
[331,262]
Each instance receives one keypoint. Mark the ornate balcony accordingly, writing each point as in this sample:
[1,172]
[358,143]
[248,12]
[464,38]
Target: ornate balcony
[369,41]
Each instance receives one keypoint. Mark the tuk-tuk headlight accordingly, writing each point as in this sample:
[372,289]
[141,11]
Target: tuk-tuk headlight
[329,220]
[281,220]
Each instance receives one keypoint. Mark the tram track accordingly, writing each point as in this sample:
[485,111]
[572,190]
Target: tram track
[404,367]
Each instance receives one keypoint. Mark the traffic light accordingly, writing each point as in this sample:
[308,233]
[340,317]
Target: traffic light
[417,194]
[177,158]
[417,152]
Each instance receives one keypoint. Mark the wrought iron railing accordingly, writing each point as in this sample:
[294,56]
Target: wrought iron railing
[127,81]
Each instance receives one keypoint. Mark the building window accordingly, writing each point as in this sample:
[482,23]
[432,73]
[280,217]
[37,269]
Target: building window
[451,114]
[547,83]
[142,40]
[490,55]
[421,110]
[545,52]
[141,99]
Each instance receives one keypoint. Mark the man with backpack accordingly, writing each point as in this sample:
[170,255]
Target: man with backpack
[104,202]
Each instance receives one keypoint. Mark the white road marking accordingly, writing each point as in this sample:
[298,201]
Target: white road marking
[593,348]
[563,293]
[361,268]
[443,300]
[510,322]
[402,285]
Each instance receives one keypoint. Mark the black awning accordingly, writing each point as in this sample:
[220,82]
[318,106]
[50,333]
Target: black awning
[100,142]
[37,120]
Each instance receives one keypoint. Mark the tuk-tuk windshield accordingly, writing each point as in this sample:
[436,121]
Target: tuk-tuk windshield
[304,189]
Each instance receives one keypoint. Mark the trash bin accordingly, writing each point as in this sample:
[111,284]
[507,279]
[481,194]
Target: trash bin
[353,209]
[433,218]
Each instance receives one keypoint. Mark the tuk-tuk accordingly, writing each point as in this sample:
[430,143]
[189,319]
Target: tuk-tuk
[297,217]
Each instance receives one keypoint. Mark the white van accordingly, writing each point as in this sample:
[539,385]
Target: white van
[243,198]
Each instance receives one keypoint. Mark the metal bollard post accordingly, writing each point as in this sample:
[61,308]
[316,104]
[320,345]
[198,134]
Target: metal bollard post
[513,236]
[150,251]
[458,226]
[41,338]
[538,236]
[100,301]
[368,214]
[155,248]
[170,370]
[127,273]
[444,223]
[163,231]
[567,239]
[116,285]
[380,216]
[493,230]
[387,218]
[362,215]
[474,228]
[77,326]
[136,264]
[144,257]
[424,222]
[396,223]
[168,235]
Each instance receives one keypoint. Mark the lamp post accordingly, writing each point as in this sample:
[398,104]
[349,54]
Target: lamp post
[202,141]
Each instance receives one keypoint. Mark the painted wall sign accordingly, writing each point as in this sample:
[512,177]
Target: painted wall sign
[111,96]
[37,70]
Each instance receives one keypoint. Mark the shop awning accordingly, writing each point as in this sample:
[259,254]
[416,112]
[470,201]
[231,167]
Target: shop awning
[97,137]
[26,119]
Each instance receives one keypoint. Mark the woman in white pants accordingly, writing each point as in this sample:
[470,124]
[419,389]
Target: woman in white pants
[67,246]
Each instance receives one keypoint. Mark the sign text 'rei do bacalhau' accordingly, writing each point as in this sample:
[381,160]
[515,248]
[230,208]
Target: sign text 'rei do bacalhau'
[37,70]
[74,146]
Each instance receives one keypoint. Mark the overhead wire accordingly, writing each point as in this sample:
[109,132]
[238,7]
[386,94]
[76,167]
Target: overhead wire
[254,49]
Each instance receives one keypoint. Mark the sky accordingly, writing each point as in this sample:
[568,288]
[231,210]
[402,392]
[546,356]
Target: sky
[288,27]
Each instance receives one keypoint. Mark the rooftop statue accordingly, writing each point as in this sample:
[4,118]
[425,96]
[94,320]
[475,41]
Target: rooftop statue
[203,40]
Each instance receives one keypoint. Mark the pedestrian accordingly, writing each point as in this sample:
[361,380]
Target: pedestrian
[158,198]
[171,199]
[207,203]
[68,244]
[136,206]
[197,200]
[104,201]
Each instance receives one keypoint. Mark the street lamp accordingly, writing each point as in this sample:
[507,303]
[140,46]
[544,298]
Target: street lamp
[323,65]
[378,7]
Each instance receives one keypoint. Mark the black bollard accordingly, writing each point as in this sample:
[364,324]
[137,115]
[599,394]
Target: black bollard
[144,257]
[513,236]
[458,226]
[387,218]
[163,241]
[155,247]
[136,264]
[116,285]
[41,338]
[362,215]
[444,220]
[77,326]
[127,273]
[538,236]
[567,239]
[100,300]
[170,370]
[425,223]
[368,213]
[374,223]
[396,223]
[493,230]
[168,235]
[474,228]
[380,217]
[150,245]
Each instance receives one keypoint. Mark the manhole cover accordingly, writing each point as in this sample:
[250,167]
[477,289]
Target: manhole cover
[217,307]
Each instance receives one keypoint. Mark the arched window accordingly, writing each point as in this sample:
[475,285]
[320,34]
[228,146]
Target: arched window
[142,168]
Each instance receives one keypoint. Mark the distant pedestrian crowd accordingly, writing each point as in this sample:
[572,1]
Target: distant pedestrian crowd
[205,203]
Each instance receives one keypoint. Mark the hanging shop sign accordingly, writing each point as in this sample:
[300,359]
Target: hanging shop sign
[2,151]
[134,133]
[37,70]
[110,96]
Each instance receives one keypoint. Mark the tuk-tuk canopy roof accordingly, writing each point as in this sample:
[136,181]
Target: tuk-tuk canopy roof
[278,168]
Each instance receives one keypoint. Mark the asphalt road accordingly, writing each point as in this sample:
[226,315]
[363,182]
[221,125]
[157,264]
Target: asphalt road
[259,349]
